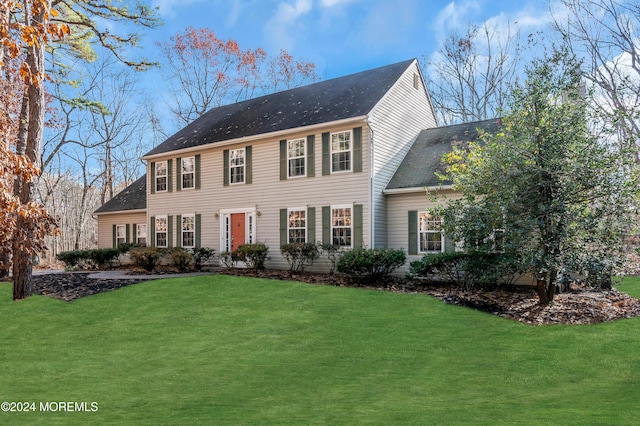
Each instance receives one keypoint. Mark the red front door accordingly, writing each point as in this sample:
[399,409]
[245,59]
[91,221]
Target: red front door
[237,230]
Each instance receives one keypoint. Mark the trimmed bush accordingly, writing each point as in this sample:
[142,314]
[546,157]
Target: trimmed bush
[201,255]
[299,255]
[146,257]
[96,258]
[371,264]
[181,259]
[333,254]
[253,255]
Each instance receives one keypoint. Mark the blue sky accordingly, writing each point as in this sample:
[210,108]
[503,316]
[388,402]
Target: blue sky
[344,36]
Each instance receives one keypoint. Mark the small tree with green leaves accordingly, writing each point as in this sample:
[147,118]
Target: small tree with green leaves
[551,180]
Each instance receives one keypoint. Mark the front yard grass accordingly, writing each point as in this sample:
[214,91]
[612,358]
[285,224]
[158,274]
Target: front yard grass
[236,350]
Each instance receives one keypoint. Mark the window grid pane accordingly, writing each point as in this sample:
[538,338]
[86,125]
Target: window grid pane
[188,172]
[161,231]
[341,227]
[297,226]
[236,168]
[430,230]
[161,176]
[341,151]
[296,157]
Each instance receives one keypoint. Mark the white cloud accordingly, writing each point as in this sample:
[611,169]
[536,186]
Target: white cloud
[167,8]
[333,3]
[455,15]
[281,29]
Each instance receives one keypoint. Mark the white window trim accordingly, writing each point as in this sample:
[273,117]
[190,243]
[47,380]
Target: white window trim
[429,232]
[331,152]
[306,218]
[166,218]
[166,176]
[121,234]
[140,234]
[341,206]
[193,172]
[303,157]
[182,231]
[244,166]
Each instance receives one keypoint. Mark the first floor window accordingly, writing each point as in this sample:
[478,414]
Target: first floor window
[236,165]
[188,172]
[141,233]
[341,226]
[121,234]
[161,231]
[188,231]
[161,176]
[430,233]
[341,151]
[297,225]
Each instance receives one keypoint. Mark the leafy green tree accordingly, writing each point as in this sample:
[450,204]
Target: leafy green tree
[550,188]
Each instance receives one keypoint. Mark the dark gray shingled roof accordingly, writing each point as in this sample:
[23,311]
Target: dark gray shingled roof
[133,197]
[340,98]
[419,166]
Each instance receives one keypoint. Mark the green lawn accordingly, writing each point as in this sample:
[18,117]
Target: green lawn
[234,350]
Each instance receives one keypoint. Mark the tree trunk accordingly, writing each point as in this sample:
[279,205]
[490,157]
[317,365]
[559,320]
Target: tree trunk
[22,278]
[541,289]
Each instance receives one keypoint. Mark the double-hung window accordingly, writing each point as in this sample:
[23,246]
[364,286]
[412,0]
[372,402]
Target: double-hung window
[341,148]
[188,230]
[161,176]
[121,234]
[341,226]
[141,233]
[297,225]
[188,172]
[161,231]
[431,238]
[236,165]
[296,151]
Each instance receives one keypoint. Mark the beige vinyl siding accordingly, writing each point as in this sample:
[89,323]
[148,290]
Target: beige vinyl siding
[396,121]
[398,207]
[107,220]
[267,194]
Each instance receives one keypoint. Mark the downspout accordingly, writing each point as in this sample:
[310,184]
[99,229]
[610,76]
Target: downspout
[372,224]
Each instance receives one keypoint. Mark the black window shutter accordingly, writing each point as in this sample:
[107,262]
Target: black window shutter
[357,149]
[283,227]
[115,236]
[326,225]
[153,178]
[178,174]
[225,168]
[326,155]
[198,183]
[127,231]
[311,167]
[413,232]
[134,233]
[198,242]
[179,229]
[169,231]
[283,160]
[248,165]
[311,225]
[357,226]
[170,175]
[152,232]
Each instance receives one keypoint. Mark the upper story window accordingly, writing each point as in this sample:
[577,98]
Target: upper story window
[297,226]
[141,233]
[161,231]
[341,148]
[341,226]
[188,172]
[188,231]
[431,238]
[236,165]
[162,172]
[296,151]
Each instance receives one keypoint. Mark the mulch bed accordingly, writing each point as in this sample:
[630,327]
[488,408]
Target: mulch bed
[578,306]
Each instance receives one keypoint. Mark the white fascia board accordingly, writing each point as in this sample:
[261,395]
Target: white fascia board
[252,138]
[417,189]
[121,212]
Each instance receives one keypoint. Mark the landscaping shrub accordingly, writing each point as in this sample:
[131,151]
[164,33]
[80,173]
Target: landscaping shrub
[227,259]
[104,257]
[99,258]
[299,255]
[146,257]
[253,255]
[372,264]
[181,259]
[201,255]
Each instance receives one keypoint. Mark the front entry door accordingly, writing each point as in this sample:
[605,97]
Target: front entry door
[238,230]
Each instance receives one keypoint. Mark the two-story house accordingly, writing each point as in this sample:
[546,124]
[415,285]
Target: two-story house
[343,161]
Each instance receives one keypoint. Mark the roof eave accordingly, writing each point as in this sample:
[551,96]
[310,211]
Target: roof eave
[270,135]
[121,212]
[417,189]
